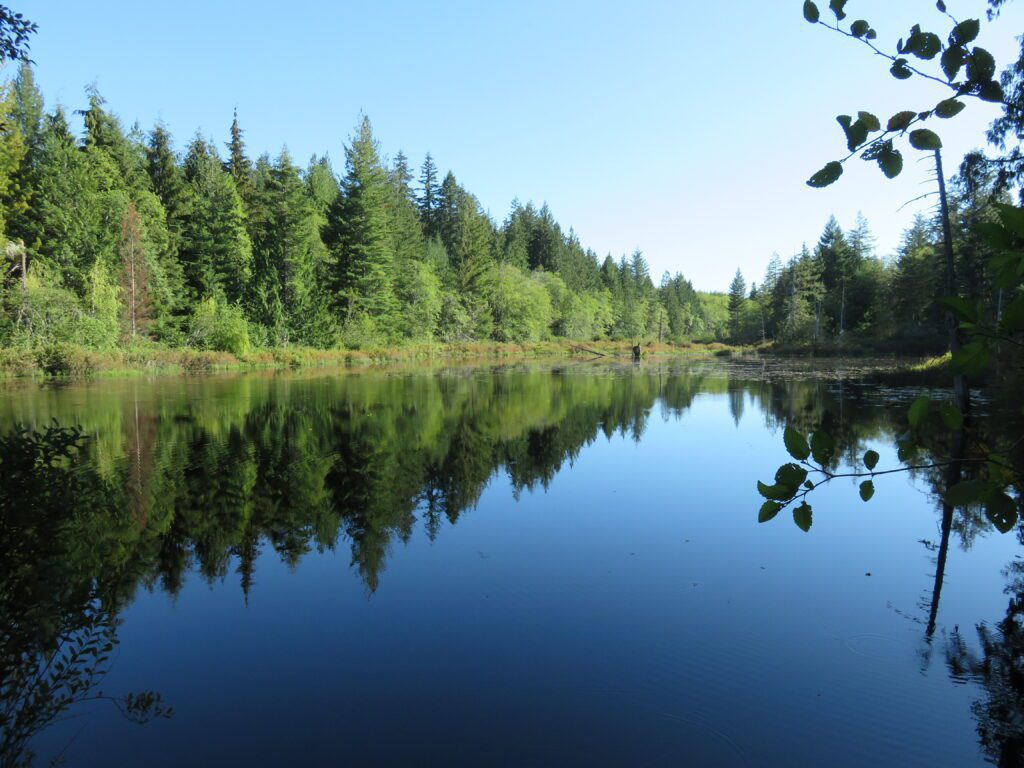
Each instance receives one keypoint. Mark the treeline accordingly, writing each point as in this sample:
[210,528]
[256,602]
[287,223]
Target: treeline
[114,238]
[842,291]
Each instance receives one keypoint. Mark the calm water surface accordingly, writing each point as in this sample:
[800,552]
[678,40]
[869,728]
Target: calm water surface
[516,566]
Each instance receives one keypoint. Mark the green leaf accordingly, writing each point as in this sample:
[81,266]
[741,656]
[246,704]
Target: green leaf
[790,476]
[768,511]
[1001,510]
[796,444]
[860,28]
[919,412]
[991,91]
[971,359]
[776,492]
[905,449]
[1011,217]
[960,308]
[900,70]
[952,60]
[870,121]
[871,460]
[811,12]
[837,8]
[900,121]
[867,490]
[891,163]
[965,32]
[1013,316]
[981,66]
[822,447]
[951,416]
[827,175]
[941,6]
[966,493]
[913,41]
[928,46]
[924,139]
[802,517]
[856,132]
[949,108]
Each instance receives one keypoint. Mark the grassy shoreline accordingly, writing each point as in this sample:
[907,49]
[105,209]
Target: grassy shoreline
[70,361]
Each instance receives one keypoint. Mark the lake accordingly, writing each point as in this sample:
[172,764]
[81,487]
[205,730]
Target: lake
[517,565]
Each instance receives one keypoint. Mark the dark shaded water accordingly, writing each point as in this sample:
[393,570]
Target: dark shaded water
[508,566]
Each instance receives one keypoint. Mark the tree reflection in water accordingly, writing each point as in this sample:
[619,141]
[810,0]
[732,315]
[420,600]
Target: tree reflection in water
[205,475]
[58,625]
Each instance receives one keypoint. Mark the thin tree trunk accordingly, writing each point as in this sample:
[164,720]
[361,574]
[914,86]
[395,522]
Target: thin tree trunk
[953,475]
[842,310]
[960,388]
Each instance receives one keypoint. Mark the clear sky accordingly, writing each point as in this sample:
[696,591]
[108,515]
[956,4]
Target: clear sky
[684,129]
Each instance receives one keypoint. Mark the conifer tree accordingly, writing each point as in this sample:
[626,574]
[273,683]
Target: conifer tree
[429,197]
[216,250]
[288,256]
[168,181]
[737,298]
[359,239]
[238,164]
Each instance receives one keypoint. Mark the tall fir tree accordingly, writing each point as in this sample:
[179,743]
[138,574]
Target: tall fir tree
[360,242]
[429,197]
[238,163]
[216,250]
[737,298]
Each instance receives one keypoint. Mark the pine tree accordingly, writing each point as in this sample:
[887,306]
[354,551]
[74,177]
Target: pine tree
[737,298]
[103,133]
[838,262]
[515,236]
[545,242]
[168,181]
[13,152]
[359,239]
[288,257]
[429,197]
[862,242]
[321,186]
[69,219]
[407,240]
[216,250]
[238,164]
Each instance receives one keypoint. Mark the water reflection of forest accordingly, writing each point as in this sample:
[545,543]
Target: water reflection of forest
[208,475]
[203,475]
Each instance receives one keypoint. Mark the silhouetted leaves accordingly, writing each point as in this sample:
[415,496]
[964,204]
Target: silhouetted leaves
[924,139]
[871,459]
[919,412]
[802,517]
[827,175]
[796,444]
[867,490]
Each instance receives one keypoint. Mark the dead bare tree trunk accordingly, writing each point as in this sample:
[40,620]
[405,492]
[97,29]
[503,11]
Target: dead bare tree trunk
[961,392]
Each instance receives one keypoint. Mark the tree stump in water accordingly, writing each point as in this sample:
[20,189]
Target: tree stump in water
[636,353]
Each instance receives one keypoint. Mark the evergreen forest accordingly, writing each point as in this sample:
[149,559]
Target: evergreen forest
[119,239]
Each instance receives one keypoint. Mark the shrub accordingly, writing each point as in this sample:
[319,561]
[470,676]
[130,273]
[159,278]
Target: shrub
[65,360]
[216,325]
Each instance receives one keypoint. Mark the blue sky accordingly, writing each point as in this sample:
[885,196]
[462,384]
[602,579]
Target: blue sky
[686,130]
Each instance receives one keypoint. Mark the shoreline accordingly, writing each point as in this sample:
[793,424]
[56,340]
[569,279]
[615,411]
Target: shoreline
[69,362]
